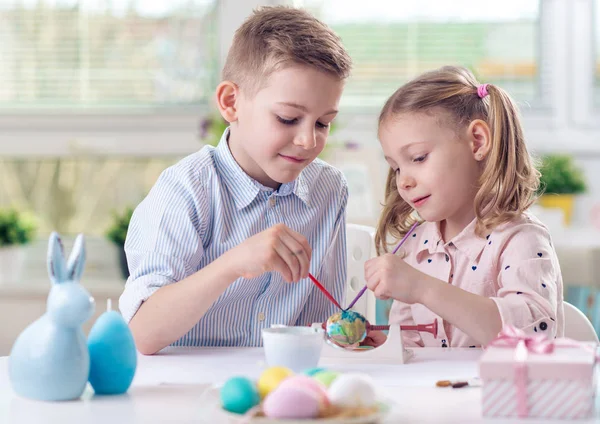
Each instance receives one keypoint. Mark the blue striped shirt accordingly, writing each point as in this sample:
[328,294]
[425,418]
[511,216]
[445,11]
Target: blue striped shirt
[205,205]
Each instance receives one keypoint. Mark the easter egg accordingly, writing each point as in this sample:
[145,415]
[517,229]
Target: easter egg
[346,328]
[352,390]
[238,395]
[270,379]
[325,377]
[312,371]
[291,403]
[113,356]
[310,384]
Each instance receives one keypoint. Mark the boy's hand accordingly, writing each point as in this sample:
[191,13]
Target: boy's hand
[278,248]
[388,276]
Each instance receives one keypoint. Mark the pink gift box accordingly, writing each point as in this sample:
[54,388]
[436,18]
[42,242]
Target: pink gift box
[535,377]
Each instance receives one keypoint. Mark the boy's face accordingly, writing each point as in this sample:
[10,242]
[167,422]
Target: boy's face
[284,126]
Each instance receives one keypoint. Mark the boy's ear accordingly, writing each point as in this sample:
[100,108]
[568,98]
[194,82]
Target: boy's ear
[480,139]
[226,95]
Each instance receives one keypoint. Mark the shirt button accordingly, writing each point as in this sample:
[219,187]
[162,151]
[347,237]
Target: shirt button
[261,316]
[543,326]
[272,201]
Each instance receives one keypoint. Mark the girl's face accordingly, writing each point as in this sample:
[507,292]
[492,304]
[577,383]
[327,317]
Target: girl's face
[435,165]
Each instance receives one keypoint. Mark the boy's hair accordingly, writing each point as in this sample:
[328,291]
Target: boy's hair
[278,36]
[510,179]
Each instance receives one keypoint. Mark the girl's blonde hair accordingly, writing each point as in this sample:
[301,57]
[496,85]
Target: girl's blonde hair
[509,180]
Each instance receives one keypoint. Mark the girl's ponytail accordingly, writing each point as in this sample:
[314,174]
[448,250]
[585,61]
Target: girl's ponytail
[509,181]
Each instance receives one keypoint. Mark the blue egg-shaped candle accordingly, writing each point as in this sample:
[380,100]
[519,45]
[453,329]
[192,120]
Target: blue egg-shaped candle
[113,356]
[239,395]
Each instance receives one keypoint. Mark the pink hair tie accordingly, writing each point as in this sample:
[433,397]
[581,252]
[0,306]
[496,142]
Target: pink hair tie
[482,90]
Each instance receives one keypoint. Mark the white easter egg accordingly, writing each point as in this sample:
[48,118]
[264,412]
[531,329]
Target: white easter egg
[353,390]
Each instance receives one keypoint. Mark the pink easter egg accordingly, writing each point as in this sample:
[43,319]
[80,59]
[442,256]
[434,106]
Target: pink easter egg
[291,403]
[308,383]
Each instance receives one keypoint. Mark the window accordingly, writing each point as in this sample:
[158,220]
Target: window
[391,42]
[583,70]
[73,195]
[101,54]
[596,26]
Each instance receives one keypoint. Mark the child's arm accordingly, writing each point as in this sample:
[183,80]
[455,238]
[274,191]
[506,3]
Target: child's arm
[530,293]
[174,309]
[168,290]
[474,315]
[390,277]
[529,298]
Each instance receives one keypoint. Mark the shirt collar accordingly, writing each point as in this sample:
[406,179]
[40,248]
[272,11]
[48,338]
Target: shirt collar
[244,188]
[466,241]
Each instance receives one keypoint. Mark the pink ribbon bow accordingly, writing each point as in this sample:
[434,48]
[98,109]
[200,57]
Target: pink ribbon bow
[523,343]
[511,337]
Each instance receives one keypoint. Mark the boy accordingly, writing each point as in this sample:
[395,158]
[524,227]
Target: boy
[214,244]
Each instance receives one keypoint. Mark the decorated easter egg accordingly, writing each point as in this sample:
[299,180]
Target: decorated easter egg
[270,379]
[238,395]
[291,402]
[312,371]
[308,383]
[113,356]
[352,390]
[346,328]
[325,377]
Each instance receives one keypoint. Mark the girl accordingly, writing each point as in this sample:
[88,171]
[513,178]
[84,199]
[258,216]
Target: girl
[478,261]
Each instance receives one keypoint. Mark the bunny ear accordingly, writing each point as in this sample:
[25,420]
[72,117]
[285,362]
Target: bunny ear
[76,259]
[57,269]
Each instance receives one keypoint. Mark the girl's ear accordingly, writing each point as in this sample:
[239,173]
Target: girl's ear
[76,259]
[57,269]
[480,139]
[227,94]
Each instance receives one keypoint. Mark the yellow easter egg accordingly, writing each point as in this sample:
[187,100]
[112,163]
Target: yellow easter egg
[270,379]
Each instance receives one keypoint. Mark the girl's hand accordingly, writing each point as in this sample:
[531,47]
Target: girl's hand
[278,248]
[388,276]
[374,338]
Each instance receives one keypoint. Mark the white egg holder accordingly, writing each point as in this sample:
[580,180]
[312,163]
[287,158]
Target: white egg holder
[390,352]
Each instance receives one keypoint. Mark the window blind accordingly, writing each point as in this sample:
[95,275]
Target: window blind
[392,41]
[596,26]
[106,54]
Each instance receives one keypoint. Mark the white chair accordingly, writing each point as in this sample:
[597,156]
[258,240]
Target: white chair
[577,326]
[360,246]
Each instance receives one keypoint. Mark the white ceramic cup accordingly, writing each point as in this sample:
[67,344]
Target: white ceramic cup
[297,348]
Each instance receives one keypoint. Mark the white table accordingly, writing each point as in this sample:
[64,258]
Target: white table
[169,387]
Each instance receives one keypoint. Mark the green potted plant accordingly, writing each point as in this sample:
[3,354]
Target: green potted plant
[560,182]
[117,233]
[212,128]
[17,229]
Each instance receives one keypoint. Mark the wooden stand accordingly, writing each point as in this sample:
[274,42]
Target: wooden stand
[391,352]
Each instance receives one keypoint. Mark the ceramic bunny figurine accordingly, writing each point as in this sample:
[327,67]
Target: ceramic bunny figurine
[50,359]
